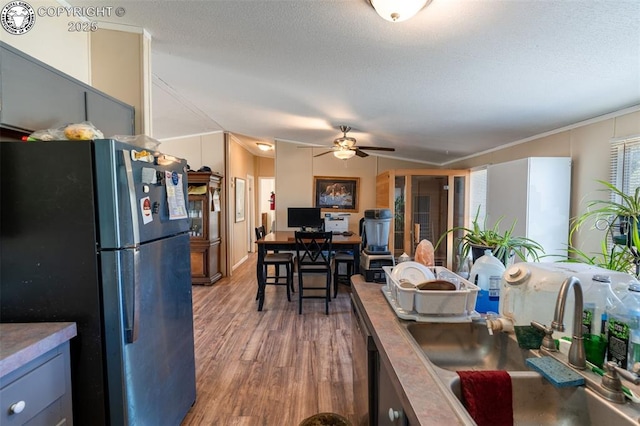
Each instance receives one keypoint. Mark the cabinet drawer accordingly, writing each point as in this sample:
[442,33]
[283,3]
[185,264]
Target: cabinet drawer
[39,388]
[199,261]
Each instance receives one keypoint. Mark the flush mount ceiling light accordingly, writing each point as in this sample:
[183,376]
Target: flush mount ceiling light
[264,146]
[398,11]
[344,154]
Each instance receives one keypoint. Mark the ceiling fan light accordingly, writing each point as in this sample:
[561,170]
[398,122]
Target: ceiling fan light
[264,146]
[398,11]
[344,154]
[345,142]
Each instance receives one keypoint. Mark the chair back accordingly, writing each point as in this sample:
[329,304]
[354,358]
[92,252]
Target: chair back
[313,249]
[260,232]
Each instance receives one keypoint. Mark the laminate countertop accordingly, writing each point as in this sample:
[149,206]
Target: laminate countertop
[427,401]
[21,343]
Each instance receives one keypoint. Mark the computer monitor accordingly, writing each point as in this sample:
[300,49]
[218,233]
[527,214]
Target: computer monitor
[304,218]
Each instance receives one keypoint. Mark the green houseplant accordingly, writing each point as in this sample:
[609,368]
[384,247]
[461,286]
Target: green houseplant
[618,218]
[503,244]
[621,209]
[617,258]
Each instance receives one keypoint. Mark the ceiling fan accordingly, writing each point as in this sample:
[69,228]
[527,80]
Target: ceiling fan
[345,147]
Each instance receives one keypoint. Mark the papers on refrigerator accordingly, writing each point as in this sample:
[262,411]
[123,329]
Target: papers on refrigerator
[175,196]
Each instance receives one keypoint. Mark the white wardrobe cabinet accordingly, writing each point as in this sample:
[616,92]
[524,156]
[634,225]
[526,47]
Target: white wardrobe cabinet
[535,191]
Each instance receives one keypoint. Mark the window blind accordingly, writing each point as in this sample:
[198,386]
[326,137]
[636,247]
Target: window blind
[625,164]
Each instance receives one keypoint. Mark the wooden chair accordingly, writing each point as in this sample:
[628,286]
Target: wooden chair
[313,257]
[277,260]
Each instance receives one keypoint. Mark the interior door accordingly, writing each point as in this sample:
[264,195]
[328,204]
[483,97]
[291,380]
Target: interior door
[429,211]
[427,204]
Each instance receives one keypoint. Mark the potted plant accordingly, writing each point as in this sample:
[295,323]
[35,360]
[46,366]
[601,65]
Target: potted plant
[618,217]
[617,258]
[503,244]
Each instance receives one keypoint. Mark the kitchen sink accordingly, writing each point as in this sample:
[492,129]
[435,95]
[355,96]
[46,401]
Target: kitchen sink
[468,346]
[537,402]
[451,347]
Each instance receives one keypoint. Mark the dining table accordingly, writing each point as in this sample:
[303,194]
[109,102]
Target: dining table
[286,241]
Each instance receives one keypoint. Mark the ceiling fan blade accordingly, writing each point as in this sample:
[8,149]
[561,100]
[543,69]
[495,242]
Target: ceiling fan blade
[375,148]
[323,153]
[360,153]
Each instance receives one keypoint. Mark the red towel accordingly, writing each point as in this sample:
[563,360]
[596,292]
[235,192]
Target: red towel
[487,397]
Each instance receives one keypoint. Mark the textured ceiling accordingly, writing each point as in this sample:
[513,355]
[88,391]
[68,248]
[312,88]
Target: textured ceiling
[460,78]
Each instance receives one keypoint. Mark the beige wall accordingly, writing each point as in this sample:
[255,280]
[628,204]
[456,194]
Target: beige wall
[120,67]
[50,41]
[241,164]
[384,164]
[295,169]
[265,166]
[199,150]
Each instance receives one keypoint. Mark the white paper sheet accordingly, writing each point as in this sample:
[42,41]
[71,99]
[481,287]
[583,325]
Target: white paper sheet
[175,196]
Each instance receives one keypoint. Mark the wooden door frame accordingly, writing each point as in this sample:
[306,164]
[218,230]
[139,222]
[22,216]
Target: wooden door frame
[385,186]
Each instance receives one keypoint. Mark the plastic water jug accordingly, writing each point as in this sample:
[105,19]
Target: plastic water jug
[529,293]
[486,273]
[623,331]
[598,299]
[530,290]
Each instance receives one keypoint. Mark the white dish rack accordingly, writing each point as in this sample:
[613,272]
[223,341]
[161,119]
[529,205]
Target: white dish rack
[432,305]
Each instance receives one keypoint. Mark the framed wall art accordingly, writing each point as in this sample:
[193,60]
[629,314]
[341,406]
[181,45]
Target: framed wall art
[336,193]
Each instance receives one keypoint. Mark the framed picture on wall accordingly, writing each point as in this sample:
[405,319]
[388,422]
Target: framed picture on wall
[336,193]
[240,189]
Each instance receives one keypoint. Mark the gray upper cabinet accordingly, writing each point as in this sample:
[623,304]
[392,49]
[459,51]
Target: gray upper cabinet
[36,96]
[109,115]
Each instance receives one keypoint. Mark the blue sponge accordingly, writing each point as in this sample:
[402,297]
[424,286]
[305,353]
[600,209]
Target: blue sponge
[556,372]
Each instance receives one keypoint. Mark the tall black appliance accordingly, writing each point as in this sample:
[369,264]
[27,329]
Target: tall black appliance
[96,232]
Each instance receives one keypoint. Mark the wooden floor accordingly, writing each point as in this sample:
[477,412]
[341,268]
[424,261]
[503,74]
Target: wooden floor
[273,367]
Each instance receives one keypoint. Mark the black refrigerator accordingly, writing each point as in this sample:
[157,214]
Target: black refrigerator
[96,232]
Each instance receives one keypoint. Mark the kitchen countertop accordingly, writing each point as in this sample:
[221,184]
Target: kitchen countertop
[21,343]
[428,402]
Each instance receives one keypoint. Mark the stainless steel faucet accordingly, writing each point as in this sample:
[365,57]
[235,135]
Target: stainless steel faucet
[576,350]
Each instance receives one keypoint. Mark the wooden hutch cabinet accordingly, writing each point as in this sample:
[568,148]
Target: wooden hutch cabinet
[205,204]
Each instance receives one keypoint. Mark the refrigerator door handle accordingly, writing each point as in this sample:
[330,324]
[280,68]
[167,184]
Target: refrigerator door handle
[126,157]
[131,293]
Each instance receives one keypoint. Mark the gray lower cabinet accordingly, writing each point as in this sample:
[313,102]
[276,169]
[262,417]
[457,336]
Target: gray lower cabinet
[38,393]
[390,411]
[35,96]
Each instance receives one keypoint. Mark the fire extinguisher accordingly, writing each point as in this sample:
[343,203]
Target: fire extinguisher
[272,201]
